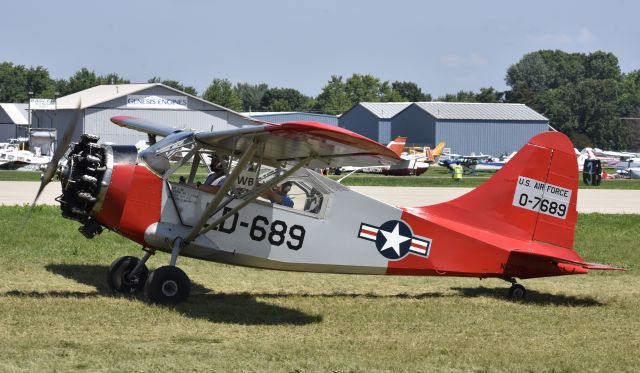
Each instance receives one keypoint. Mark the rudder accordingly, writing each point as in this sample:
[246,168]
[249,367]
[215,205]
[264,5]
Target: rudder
[397,145]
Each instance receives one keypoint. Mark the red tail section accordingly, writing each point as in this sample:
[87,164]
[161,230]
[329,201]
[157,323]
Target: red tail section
[533,197]
[397,145]
[520,223]
[516,224]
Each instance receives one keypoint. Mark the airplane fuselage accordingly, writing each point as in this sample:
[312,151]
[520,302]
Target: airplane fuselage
[349,233]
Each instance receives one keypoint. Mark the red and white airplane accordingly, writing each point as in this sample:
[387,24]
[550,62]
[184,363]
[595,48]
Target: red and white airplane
[518,224]
[414,163]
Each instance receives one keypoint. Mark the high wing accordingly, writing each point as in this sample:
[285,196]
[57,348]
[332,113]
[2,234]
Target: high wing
[327,146]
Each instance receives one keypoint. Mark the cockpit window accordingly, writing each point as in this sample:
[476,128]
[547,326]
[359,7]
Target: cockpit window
[306,198]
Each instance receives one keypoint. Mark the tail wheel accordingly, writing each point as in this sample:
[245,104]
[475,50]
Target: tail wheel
[118,278]
[517,292]
[168,285]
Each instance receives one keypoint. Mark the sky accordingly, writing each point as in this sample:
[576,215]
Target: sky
[443,46]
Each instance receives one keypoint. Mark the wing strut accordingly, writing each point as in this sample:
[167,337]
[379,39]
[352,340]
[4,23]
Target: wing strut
[194,166]
[255,193]
[242,162]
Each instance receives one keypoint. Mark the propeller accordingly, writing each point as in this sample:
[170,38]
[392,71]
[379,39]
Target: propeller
[59,152]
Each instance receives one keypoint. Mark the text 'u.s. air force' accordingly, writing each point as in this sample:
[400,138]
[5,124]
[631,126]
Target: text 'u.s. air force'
[535,195]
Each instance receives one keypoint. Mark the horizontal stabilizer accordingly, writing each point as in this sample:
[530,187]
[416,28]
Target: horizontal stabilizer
[602,267]
[531,264]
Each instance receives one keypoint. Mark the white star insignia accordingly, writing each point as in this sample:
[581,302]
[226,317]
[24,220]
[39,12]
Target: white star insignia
[394,239]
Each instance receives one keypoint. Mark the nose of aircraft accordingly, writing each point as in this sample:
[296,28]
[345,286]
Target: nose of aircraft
[85,176]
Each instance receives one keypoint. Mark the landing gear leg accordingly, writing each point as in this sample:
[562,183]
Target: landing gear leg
[128,274]
[517,292]
[169,284]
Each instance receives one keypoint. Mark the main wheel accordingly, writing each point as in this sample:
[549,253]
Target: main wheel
[517,292]
[168,285]
[118,277]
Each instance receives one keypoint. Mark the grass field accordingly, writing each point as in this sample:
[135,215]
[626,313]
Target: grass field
[436,177]
[57,315]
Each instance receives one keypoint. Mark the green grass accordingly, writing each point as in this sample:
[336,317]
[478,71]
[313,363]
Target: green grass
[56,313]
[436,177]
[10,175]
[439,178]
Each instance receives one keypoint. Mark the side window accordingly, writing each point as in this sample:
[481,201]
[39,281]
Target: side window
[305,197]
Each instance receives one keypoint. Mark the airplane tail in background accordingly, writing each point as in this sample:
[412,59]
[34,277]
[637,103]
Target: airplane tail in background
[397,145]
[434,155]
[438,149]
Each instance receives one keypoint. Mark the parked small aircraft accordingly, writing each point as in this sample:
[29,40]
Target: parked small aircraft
[411,163]
[608,158]
[518,224]
[472,164]
[630,168]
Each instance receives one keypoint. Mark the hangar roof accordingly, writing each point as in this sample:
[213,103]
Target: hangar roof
[99,94]
[16,112]
[385,110]
[103,93]
[481,111]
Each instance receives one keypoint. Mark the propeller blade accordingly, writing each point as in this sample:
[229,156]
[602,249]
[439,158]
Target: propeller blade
[50,171]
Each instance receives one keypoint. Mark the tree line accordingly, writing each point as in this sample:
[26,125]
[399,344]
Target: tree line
[585,96]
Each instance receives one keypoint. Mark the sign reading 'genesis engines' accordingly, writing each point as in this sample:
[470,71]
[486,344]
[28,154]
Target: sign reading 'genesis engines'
[157,102]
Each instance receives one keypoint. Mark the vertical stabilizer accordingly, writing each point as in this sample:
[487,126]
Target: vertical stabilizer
[397,145]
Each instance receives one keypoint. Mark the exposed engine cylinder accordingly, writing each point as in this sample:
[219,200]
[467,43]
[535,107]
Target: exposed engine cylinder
[85,178]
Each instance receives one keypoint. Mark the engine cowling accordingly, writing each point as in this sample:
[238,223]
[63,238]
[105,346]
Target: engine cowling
[85,178]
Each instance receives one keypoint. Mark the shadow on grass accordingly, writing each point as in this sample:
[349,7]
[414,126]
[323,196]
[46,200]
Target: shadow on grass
[533,297]
[202,304]
[339,294]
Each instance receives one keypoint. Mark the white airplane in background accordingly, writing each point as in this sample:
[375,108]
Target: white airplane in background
[477,163]
[630,168]
[607,158]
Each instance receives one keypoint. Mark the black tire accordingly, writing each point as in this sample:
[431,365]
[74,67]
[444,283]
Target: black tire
[517,292]
[168,285]
[118,275]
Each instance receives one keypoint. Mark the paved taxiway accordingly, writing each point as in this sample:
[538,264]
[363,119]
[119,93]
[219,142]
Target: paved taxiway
[589,200]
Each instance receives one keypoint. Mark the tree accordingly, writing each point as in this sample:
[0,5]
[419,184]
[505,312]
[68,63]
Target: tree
[367,88]
[563,68]
[39,82]
[527,77]
[81,80]
[489,95]
[338,96]
[16,81]
[583,96]
[461,96]
[600,65]
[13,83]
[409,91]
[113,78]
[629,98]
[222,93]
[588,113]
[285,99]
[251,95]
[85,79]
[174,84]
[333,99]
